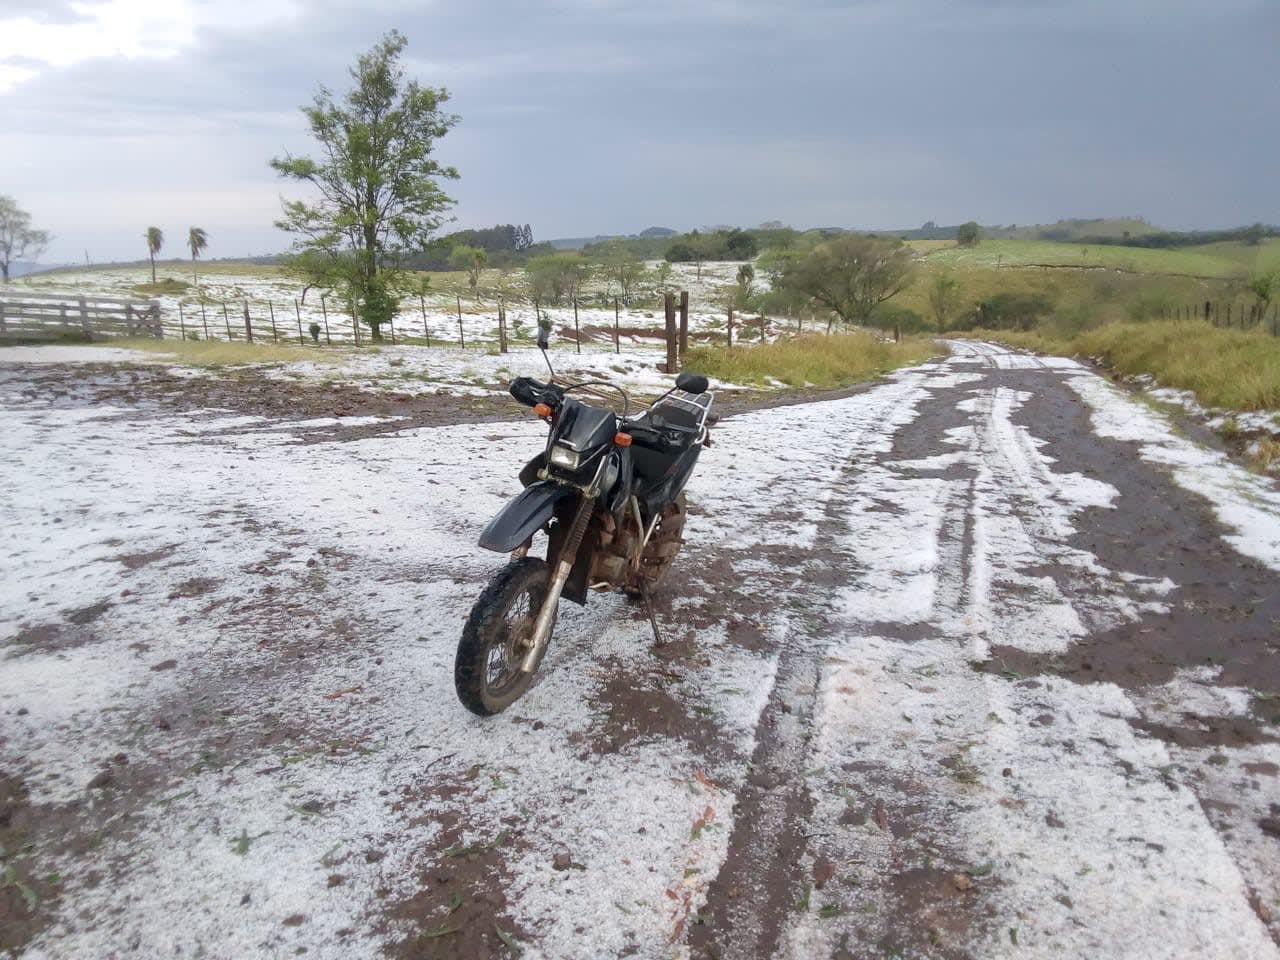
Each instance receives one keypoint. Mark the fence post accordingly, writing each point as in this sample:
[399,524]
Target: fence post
[422,304]
[392,325]
[617,340]
[204,319]
[182,322]
[1206,311]
[248,327]
[324,311]
[462,337]
[227,320]
[577,334]
[669,309]
[275,337]
[2,320]
[297,312]
[502,326]
[684,321]
[84,316]
[729,328]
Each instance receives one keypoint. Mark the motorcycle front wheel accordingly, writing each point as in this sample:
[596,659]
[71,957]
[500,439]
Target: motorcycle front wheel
[498,634]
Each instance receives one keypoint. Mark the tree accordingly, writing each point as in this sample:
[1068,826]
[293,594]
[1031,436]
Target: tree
[740,245]
[470,259]
[850,274]
[693,247]
[155,240]
[1264,286]
[197,240]
[379,195]
[17,238]
[944,299]
[746,277]
[968,234]
[622,267]
[557,276]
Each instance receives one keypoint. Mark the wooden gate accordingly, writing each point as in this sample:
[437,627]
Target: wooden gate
[26,315]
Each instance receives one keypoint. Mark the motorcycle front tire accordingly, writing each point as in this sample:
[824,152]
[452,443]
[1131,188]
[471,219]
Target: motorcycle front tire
[486,671]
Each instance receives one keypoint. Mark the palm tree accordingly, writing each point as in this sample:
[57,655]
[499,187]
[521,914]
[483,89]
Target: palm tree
[197,240]
[155,239]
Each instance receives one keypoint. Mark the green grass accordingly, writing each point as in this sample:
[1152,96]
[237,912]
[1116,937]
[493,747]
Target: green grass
[220,353]
[813,360]
[1187,261]
[163,285]
[1233,369]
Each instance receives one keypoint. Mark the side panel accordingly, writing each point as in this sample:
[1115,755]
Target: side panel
[524,516]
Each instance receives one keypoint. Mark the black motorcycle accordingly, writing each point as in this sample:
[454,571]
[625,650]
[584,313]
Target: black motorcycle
[608,491]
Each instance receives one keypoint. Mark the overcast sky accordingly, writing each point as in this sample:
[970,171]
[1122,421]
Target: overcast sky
[609,116]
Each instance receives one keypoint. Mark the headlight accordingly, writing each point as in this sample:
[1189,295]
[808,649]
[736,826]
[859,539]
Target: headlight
[564,458]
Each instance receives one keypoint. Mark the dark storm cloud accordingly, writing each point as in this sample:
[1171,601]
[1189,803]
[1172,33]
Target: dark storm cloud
[581,116]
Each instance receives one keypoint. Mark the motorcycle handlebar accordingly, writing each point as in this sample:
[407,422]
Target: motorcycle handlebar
[529,391]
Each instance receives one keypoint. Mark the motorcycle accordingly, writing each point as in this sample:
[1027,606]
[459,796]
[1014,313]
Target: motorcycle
[608,492]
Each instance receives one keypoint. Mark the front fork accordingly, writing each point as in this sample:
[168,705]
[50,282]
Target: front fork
[564,564]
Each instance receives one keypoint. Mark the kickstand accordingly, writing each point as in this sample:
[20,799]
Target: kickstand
[648,608]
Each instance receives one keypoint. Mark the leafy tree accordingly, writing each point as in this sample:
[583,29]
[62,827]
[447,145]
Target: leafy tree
[740,245]
[197,240]
[378,188]
[662,274]
[745,278]
[1265,286]
[470,259]
[327,269]
[155,240]
[968,234]
[556,277]
[17,238]
[944,299]
[693,247]
[850,274]
[621,266]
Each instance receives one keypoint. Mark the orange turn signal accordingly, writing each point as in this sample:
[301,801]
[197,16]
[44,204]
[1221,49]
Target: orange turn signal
[542,410]
[622,439]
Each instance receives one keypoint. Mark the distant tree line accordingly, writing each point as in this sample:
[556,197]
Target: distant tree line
[1168,239]
[504,245]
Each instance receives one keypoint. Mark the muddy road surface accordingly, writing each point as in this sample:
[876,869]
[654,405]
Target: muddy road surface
[981,661]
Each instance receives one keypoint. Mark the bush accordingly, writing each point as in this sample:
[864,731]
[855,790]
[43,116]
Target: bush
[1012,311]
[889,316]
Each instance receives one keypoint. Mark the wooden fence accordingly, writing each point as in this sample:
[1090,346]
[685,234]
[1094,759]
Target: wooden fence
[43,316]
[1239,316]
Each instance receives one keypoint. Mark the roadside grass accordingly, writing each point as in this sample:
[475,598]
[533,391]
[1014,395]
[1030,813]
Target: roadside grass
[813,360]
[1080,298]
[1236,369]
[220,353]
[1231,369]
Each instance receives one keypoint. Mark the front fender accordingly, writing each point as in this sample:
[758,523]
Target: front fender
[524,516]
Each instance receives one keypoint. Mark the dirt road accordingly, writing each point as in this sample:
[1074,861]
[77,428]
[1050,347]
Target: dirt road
[978,662]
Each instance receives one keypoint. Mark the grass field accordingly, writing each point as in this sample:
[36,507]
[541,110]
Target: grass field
[1214,260]
[814,360]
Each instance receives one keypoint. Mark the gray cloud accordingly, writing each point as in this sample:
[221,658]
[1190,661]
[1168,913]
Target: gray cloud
[586,116]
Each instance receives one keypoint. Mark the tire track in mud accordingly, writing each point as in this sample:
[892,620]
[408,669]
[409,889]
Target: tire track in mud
[1015,558]
[748,904]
